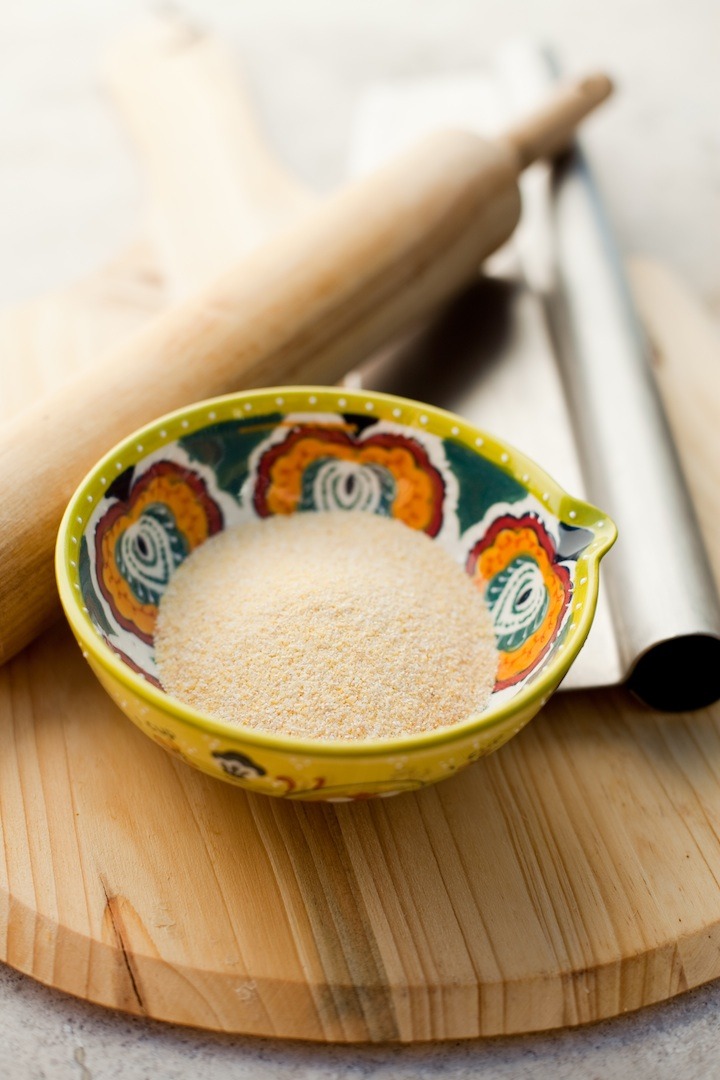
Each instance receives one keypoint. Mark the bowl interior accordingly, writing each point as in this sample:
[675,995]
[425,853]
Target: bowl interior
[532,548]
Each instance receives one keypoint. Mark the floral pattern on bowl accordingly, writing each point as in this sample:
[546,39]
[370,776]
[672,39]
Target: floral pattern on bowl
[532,548]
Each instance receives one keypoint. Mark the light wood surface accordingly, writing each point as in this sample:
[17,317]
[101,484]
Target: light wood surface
[214,192]
[570,876]
[680,329]
[53,337]
[213,189]
[308,306]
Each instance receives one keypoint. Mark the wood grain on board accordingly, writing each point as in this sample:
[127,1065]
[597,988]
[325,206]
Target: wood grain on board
[571,876]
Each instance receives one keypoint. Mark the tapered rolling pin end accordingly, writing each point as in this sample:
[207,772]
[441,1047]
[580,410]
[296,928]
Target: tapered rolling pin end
[550,130]
[596,87]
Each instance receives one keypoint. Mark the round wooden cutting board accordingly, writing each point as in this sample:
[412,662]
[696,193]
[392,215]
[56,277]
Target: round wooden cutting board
[570,876]
[573,875]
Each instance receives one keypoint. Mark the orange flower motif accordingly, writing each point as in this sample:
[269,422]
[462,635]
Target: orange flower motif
[323,468]
[140,541]
[526,589]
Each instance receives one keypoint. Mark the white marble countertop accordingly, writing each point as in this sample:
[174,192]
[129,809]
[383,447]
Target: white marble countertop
[71,196]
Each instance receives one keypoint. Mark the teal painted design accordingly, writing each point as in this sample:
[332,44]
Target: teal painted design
[226,447]
[148,551]
[481,484]
[334,484]
[518,601]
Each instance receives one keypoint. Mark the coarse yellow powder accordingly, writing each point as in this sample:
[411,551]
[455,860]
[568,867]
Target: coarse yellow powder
[332,625]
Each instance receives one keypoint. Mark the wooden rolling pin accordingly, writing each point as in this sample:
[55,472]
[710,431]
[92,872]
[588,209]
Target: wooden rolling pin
[306,307]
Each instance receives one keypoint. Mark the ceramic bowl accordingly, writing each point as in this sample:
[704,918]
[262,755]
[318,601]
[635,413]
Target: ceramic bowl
[533,548]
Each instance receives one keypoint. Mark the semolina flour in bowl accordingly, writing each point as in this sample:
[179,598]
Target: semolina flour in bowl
[330,625]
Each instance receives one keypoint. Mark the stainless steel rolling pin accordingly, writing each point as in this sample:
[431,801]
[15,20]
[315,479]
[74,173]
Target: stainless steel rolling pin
[306,307]
[663,597]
